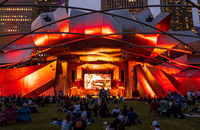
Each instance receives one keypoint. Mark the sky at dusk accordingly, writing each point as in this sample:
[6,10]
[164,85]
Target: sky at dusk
[96,5]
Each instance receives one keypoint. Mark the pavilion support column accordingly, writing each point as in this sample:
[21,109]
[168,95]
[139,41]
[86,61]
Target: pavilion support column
[67,85]
[135,77]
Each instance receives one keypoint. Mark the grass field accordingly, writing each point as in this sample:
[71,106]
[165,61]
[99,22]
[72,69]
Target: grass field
[41,120]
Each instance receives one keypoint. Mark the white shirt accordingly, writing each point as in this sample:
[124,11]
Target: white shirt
[122,98]
[29,102]
[193,94]
[188,95]
[116,110]
[76,108]
[84,115]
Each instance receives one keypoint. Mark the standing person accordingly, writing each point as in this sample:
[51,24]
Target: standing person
[178,99]
[79,123]
[169,93]
[189,97]
[66,125]
[61,94]
[155,125]
[198,94]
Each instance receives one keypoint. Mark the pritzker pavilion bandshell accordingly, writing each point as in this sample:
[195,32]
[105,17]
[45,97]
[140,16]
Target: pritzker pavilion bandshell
[130,55]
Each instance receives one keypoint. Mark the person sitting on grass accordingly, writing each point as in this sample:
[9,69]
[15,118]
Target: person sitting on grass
[132,117]
[155,125]
[33,108]
[66,124]
[96,110]
[125,110]
[83,114]
[76,107]
[79,123]
[115,111]
[115,125]
[0,106]
[104,111]
[123,118]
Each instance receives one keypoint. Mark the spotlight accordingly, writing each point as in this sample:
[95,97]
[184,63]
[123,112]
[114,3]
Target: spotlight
[1,51]
[47,18]
[194,52]
[73,56]
[149,18]
[64,45]
[130,46]
[123,56]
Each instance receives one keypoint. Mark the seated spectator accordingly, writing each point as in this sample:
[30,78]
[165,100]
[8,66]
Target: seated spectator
[0,106]
[10,114]
[122,117]
[164,105]
[71,111]
[59,101]
[79,123]
[66,124]
[115,111]
[83,114]
[155,125]
[115,125]
[76,107]
[33,108]
[24,113]
[104,110]
[132,116]
[96,110]
[125,110]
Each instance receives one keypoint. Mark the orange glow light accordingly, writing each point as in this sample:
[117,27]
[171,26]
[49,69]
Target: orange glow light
[153,39]
[40,39]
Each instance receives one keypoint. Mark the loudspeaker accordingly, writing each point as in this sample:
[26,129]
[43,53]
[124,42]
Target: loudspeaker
[122,75]
[73,76]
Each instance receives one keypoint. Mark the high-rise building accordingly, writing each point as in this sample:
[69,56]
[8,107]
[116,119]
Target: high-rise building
[181,16]
[109,4]
[50,2]
[17,18]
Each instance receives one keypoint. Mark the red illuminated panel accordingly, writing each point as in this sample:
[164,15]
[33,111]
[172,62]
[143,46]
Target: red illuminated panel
[162,80]
[143,83]
[150,38]
[34,81]
[182,89]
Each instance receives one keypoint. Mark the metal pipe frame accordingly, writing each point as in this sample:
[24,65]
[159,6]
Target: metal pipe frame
[93,11]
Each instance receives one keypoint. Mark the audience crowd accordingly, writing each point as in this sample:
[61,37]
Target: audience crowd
[80,115]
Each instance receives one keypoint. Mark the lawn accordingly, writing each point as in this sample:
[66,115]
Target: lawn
[41,121]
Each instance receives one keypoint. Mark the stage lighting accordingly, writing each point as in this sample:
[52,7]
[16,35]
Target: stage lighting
[47,18]
[73,56]
[64,45]
[123,56]
[1,51]
[149,18]
[194,52]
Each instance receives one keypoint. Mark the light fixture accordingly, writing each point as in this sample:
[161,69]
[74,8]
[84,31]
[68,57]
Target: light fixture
[123,56]
[1,51]
[73,56]
[47,18]
[64,45]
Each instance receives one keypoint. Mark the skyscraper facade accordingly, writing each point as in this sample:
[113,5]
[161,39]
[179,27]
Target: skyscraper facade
[181,16]
[17,18]
[109,4]
[50,2]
